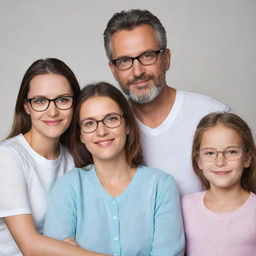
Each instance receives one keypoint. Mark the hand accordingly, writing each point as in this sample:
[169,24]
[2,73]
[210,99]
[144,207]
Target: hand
[71,241]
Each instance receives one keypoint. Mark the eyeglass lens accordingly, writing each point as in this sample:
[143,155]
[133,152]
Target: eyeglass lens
[229,154]
[41,104]
[110,121]
[147,58]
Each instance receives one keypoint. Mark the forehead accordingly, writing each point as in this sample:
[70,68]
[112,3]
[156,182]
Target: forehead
[221,136]
[49,85]
[98,107]
[133,42]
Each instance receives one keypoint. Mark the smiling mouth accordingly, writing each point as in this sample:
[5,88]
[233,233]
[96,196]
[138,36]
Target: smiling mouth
[141,83]
[222,173]
[104,143]
[53,122]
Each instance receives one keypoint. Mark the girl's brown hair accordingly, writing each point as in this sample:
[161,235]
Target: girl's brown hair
[248,179]
[133,148]
[22,121]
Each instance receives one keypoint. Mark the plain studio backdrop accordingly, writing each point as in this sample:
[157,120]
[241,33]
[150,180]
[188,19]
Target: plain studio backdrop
[213,45]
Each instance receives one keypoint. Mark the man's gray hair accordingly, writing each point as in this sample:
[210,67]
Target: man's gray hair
[130,19]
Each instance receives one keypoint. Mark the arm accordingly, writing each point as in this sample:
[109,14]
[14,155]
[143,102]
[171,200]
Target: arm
[31,243]
[168,230]
[16,213]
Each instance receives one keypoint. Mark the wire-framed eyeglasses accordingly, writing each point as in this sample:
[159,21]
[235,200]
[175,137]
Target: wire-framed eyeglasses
[41,104]
[112,120]
[146,58]
[230,153]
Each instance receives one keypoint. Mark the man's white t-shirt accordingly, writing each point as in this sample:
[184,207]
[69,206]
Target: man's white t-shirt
[25,180]
[168,146]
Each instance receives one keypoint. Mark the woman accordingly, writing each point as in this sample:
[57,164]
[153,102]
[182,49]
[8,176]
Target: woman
[112,203]
[34,156]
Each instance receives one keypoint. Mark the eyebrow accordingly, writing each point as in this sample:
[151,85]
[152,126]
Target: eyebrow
[44,97]
[92,118]
[237,146]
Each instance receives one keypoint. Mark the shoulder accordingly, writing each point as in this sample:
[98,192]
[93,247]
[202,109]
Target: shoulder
[155,174]
[157,179]
[74,176]
[192,199]
[72,183]
[14,142]
[205,101]
[252,200]
[13,148]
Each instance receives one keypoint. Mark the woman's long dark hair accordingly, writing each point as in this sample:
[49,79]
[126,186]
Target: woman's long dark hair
[22,121]
[133,148]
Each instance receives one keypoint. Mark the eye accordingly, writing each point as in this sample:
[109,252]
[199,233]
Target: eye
[148,55]
[209,152]
[122,61]
[232,151]
[112,118]
[63,100]
[88,123]
[39,101]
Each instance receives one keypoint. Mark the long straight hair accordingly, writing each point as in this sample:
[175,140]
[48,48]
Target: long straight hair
[133,148]
[248,179]
[22,121]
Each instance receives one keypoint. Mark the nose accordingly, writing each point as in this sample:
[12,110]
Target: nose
[101,130]
[137,68]
[52,110]
[220,160]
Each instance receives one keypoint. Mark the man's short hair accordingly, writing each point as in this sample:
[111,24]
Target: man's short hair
[130,19]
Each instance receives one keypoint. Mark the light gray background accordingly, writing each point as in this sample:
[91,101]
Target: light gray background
[213,45]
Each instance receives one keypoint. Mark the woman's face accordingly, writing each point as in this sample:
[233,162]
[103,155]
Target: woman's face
[52,122]
[105,144]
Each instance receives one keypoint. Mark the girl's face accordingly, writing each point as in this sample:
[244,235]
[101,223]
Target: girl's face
[52,122]
[222,173]
[105,144]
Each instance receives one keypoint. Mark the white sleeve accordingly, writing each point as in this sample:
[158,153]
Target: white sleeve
[14,198]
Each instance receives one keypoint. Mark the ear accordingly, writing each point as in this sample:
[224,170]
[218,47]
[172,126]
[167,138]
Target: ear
[113,69]
[27,107]
[167,59]
[248,160]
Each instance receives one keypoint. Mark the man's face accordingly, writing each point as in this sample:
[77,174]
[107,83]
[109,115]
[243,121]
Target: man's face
[141,83]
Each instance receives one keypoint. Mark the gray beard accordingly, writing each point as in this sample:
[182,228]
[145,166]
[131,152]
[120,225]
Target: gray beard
[145,98]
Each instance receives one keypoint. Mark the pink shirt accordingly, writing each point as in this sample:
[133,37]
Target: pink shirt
[219,234]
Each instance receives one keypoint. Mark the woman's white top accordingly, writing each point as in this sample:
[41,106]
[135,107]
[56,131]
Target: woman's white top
[25,180]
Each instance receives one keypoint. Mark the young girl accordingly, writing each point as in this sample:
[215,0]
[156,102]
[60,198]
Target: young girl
[221,221]
[113,204]
[33,157]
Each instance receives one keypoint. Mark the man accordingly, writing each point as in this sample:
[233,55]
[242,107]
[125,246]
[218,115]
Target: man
[136,45]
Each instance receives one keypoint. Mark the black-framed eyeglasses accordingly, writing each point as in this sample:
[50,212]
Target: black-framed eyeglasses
[112,120]
[146,58]
[230,153]
[41,104]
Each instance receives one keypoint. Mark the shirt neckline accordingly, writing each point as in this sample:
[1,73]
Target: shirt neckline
[223,214]
[124,193]
[170,118]
[44,160]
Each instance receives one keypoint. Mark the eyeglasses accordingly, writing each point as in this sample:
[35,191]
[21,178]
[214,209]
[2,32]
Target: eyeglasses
[146,59]
[112,120]
[41,104]
[230,154]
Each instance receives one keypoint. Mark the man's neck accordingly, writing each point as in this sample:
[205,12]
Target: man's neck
[154,113]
